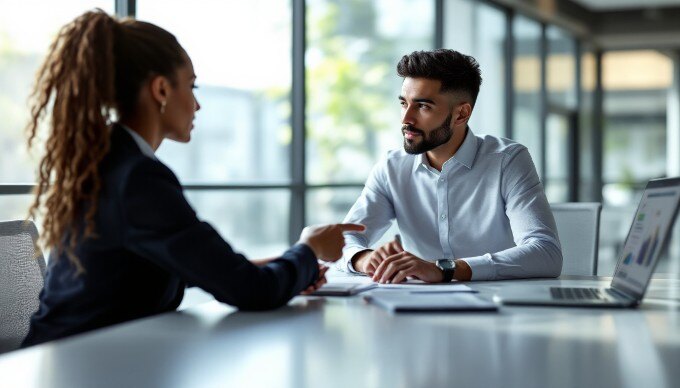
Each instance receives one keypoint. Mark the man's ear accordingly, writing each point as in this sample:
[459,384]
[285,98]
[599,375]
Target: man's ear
[160,89]
[462,114]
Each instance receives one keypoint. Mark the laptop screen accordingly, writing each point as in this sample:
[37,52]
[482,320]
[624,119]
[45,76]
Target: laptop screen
[647,236]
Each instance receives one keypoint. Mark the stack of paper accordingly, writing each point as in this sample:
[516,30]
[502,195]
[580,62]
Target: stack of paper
[409,301]
[411,295]
[348,287]
[343,289]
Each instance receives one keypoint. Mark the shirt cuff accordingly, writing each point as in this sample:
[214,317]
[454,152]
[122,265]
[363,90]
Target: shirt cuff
[349,253]
[481,267]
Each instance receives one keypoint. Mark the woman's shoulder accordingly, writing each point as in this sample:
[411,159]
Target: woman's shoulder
[125,163]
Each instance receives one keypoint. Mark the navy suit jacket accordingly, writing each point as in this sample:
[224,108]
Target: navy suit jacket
[149,246]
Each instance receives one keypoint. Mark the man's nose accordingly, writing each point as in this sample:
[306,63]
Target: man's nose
[407,118]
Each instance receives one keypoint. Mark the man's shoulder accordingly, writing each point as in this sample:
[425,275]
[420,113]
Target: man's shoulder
[489,145]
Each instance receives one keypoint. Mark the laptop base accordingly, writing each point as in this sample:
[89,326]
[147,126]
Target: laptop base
[610,299]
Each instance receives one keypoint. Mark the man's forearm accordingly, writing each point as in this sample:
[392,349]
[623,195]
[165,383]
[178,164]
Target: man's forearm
[463,271]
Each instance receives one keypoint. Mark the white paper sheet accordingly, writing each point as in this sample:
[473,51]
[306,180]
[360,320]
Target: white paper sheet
[412,285]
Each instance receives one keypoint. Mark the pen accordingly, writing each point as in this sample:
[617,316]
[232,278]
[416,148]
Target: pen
[397,238]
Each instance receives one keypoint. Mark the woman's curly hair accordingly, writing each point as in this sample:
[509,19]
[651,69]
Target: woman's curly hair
[94,71]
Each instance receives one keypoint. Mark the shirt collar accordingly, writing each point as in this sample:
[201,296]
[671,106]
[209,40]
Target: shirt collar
[465,155]
[468,150]
[419,161]
[141,143]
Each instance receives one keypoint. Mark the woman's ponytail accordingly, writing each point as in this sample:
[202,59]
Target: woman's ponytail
[96,67]
[78,80]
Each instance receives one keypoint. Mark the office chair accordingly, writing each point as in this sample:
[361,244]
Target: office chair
[22,272]
[578,226]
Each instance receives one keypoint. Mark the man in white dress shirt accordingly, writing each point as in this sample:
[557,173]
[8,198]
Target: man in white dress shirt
[469,207]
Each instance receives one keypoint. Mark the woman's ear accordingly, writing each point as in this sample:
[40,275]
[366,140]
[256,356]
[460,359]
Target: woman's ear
[160,89]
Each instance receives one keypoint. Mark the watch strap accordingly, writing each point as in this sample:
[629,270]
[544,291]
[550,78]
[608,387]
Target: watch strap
[448,275]
[447,272]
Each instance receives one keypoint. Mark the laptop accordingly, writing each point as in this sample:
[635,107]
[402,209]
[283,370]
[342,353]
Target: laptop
[646,239]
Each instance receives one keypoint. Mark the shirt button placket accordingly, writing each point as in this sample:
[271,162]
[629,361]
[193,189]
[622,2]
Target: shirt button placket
[443,209]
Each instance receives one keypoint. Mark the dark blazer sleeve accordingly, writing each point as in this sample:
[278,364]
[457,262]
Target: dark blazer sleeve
[160,225]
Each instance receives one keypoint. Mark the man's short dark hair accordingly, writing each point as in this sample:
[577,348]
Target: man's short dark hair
[457,72]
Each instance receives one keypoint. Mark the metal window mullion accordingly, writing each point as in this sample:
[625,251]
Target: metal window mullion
[438,24]
[126,8]
[544,102]
[298,100]
[598,129]
[509,74]
[575,135]
[16,189]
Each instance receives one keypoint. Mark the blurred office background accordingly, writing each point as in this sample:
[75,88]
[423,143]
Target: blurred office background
[299,100]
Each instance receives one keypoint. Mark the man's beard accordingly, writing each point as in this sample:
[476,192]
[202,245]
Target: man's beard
[437,137]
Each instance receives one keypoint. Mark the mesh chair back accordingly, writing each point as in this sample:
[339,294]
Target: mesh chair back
[578,226]
[22,272]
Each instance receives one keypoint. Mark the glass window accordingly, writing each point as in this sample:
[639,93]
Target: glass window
[26,30]
[254,222]
[557,157]
[527,87]
[635,96]
[561,68]
[241,52]
[15,207]
[586,150]
[330,205]
[559,130]
[477,29]
[353,115]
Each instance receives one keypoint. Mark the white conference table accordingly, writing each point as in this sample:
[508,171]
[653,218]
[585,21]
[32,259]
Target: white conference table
[346,342]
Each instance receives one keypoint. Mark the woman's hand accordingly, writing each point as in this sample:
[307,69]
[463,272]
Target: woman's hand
[320,281]
[327,240]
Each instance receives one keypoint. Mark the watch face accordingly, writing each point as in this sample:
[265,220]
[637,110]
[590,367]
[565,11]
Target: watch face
[446,264]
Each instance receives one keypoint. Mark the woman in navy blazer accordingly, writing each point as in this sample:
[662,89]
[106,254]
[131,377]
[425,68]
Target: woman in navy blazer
[125,242]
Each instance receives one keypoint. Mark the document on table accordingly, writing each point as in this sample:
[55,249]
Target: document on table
[348,286]
[417,286]
[413,302]
[344,284]
[343,289]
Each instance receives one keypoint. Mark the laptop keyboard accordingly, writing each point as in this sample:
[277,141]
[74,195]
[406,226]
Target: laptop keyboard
[576,293]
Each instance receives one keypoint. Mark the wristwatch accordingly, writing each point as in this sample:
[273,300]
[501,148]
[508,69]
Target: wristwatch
[448,267]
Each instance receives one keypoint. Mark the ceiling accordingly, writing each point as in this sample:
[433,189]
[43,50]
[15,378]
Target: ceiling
[613,5]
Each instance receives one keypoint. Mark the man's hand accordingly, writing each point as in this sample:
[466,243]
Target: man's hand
[320,281]
[396,268]
[368,261]
[327,240]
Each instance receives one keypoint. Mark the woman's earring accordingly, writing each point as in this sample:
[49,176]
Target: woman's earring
[162,107]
